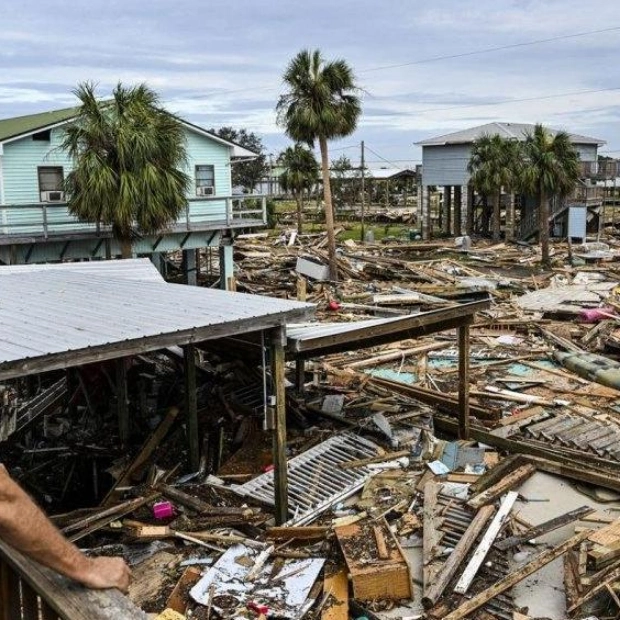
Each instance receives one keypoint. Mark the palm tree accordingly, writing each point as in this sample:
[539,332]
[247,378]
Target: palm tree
[550,170]
[128,155]
[493,166]
[321,103]
[301,172]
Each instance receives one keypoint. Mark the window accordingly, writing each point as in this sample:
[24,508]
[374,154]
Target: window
[205,180]
[42,136]
[51,183]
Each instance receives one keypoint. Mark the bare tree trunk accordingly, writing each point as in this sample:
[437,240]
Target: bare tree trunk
[329,209]
[299,201]
[544,229]
[126,247]
[497,214]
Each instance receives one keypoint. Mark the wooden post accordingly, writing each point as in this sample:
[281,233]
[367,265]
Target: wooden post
[447,209]
[227,276]
[189,264]
[457,210]
[463,335]
[122,401]
[280,473]
[191,405]
[300,375]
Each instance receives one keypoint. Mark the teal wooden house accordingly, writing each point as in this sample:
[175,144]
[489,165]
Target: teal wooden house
[36,226]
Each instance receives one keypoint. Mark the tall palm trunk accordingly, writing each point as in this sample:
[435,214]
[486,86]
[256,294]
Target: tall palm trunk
[329,209]
[497,214]
[299,201]
[544,229]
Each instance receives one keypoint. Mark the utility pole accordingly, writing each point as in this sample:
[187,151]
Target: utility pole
[363,193]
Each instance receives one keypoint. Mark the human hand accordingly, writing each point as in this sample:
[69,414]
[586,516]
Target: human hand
[104,572]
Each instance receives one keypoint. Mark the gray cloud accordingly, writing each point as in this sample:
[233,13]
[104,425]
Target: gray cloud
[220,62]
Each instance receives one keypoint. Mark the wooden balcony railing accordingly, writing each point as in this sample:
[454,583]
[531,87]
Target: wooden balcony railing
[48,220]
[29,591]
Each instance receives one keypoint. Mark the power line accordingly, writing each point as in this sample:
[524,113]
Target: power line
[492,49]
[387,161]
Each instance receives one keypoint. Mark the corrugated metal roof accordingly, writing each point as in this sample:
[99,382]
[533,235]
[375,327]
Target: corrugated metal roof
[58,317]
[517,131]
[127,269]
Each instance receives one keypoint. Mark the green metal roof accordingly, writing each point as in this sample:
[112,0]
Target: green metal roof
[20,125]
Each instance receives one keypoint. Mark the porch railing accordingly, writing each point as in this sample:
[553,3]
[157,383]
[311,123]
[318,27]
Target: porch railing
[48,220]
[29,591]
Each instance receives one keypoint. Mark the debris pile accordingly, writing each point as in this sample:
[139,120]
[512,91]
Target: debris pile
[389,515]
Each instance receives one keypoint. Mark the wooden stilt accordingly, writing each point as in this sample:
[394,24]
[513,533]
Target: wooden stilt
[277,342]
[191,406]
[122,401]
[463,335]
[300,374]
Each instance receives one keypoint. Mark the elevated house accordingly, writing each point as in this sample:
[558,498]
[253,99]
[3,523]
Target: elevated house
[444,165]
[36,226]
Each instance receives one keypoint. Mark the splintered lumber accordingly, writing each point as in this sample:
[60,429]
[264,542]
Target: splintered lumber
[590,469]
[517,576]
[200,506]
[485,544]
[452,564]
[495,474]
[127,508]
[336,586]
[572,584]
[150,577]
[371,576]
[606,544]
[387,456]
[178,598]
[397,355]
[610,578]
[544,528]
[512,480]
[443,402]
[430,532]
[307,532]
[382,549]
[136,467]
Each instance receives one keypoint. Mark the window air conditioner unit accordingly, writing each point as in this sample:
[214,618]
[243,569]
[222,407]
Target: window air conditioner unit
[53,196]
[205,190]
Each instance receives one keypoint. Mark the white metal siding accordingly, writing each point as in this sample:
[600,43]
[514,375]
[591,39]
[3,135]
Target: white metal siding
[445,165]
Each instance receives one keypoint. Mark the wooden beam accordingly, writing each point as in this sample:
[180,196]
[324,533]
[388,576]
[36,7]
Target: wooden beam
[191,405]
[485,544]
[512,480]
[280,472]
[515,577]
[463,336]
[430,533]
[122,404]
[544,528]
[452,564]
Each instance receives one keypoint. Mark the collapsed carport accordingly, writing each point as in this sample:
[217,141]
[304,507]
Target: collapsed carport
[61,316]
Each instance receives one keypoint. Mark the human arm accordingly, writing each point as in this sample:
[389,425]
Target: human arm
[24,526]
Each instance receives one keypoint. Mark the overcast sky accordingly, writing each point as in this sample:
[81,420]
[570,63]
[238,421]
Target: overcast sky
[219,62]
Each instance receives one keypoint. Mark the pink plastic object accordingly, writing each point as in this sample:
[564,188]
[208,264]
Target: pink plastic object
[333,305]
[163,510]
[594,315]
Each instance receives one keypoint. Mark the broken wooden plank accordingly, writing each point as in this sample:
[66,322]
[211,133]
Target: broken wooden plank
[136,467]
[382,549]
[452,564]
[308,532]
[387,456]
[611,577]
[430,532]
[179,596]
[200,506]
[515,577]
[495,474]
[485,544]
[512,480]
[544,528]
[336,586]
